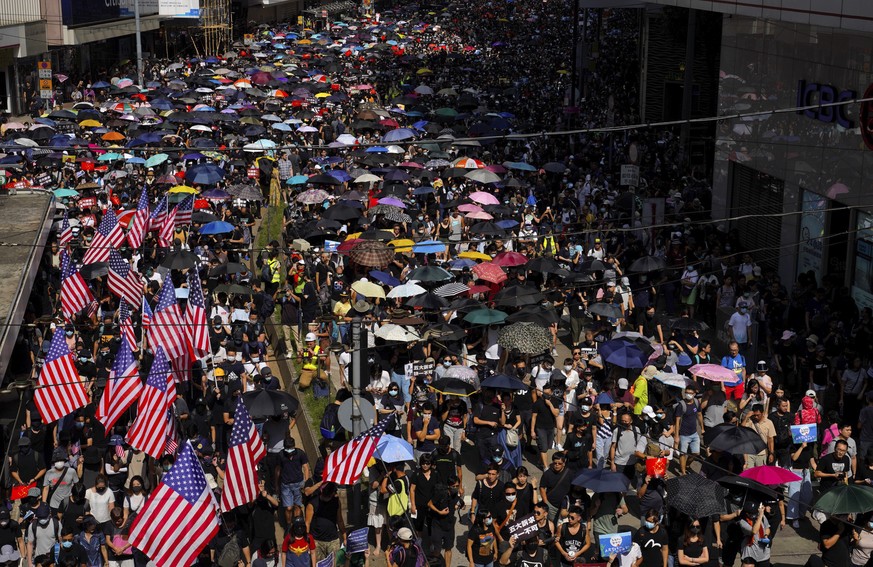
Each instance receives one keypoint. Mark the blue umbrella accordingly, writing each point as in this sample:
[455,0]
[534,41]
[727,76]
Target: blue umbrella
[506,224]
[423,190]
[429,247]
[602,480]
[204,174]
[216,227]
[461,263]
[392,449]
[519,165]
[623,354]
[101,85]
[385,278]
[136,160]
[376,150]
[340,174]
[504,382]
[298,180]
[398,135]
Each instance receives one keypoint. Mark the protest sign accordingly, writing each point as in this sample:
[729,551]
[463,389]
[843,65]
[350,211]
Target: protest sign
[524,528]
[807,432]
[615,544]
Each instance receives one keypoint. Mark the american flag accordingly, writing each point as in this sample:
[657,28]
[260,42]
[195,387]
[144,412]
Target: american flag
[184,210]
[182,498]
[165,233]
[59,391]
[66,234]
[122,388]
[151,427]
[123,280]
[167,329]
[345,465]
[140,221]
[75,294]
[195,315]
[245,450]
[159,214]
[108,235]
[145,320]
[126,325]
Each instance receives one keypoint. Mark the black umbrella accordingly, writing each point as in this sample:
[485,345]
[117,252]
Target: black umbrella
[518,296]
[428,301]
[443,332]
[487,228]
[95,270]
[180,260]
[234,288]
[228,268]
[504,382]
[606,310]
[602,480]
[323,179]
[342,213]
[201,217]
[534,314]
[647,264]
[453,385]
[267,403]
[543,264]
[734,439]
[759,492]
[695,496]
[688,324]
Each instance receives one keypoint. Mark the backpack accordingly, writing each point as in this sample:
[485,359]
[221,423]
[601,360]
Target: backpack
[330,424]
[55,523]
[398,503]
[266,273]
[230,553]
[268,306]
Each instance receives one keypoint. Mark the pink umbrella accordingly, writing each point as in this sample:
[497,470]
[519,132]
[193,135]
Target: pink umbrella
[411,164]
[469,208]
[769,475]
[496,168]
[713,372]
[394,202]
[484,198]
[509,259]
[479,288]
[479,215]
[489,272]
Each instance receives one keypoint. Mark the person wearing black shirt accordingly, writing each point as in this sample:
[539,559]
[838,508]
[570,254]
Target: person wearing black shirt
[555,484]
[579,446]
[422,485]
[488,420]
[222,538]
[441,509]
[833,543]
[447,462]
[488,492]
[649,325]
[834,467]
[652,539]
[545,410]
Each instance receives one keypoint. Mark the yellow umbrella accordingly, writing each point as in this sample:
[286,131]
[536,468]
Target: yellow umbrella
[402,245]
[424,71]
[90,123]
[353,236]
[369,289]
[473,255]
[322,95]
[183,189]
[304,42]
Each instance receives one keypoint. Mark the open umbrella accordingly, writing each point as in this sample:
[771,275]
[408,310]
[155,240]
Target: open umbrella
[648,264]
[489,272]
[217,227]
[528,338]
[734,439]
[485,316]
[368,289]
[428,301]
[504,382]
[671,379]
[443,332]
[612,310]
[518,296]
[396,333]
[748,488]
[713,372]
[509,259]
[602,480]
[770,475]
[234,288]
[313,197]
[688,324]
[695,496]
[534,314]
[180,260]
[392,449]
[267,403]
[846,499]
[372,254]
[623,353]
[409,289]
[453,386]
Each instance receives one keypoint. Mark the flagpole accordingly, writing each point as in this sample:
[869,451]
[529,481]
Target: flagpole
[359,363]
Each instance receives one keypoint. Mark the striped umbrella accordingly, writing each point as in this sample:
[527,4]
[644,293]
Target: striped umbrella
[372,254]
[450,289]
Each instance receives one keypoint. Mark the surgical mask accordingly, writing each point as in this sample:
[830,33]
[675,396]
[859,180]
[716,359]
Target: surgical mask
[510,497]
[291,450]
[67,544]
[45,522]
[660,415]
[447,363]
[137,489]
[59,464]
[80,424]
[488,521]
[567,368]
[421,218]
[255,360]
[689,396]
[695,529]
[649,525]
[4,524]
[393,392]
[69,333]
[586,408]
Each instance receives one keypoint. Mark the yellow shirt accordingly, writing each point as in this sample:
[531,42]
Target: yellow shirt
[641,394]
[341,309]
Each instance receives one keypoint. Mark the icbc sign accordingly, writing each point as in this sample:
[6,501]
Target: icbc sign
[812,94]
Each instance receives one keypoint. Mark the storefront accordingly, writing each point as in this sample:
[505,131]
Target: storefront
[799,184]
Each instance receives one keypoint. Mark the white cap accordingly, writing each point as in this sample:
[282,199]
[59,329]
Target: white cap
[649,411]
[623,383]
[810,393]
[310,337]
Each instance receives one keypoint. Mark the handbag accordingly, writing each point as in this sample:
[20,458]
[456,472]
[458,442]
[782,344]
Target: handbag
[511,438]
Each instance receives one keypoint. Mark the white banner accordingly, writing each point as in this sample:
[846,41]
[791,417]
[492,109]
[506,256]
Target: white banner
[179,8]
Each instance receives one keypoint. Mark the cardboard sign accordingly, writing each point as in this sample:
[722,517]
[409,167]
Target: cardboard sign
[87,202]
[656,466]
[804,433]
[357,541]
[253,173]
[524,528]
[615,544]
[419,368]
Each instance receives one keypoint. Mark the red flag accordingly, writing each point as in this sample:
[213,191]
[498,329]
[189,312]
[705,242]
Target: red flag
[181,499]
[345,465]
[75,294]
[59,391]
[122,388]
[245,450]
[149,431]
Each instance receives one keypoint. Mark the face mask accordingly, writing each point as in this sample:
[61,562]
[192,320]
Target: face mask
[255,360]
[567,368]
[447,363]
[650,525]
[531,547]
[24,450]
[586,408]
[67,544]
[521,372]
[80,425]
[290,451]
[627,425]
[689,396]
[69,333]
[59,464]
[421,218]
[870,525]
[695,529]
[101,490]
[488,521]
[136,489]
[510,497]
[659,415]
[4,524]
[393,392]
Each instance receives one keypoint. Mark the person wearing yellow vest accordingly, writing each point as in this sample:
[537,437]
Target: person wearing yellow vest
[310,355]
[548,245]
[271,284]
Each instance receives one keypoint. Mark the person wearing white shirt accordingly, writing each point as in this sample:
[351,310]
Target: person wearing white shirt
[597,251]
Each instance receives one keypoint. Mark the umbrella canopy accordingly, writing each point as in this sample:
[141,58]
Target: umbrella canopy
[372,253]
[453,386]
[602,480]
[734,439]
[428,301]
[518,296]
[429,274]
[313,197]
[217,227]
[714,372]
[648,264]
[528,338]
[485,316]
[444,332]
[409,289]
[747,488]
[612,310]
[846,499]
[390,449]
[504,382]
[695,496]
[671,379]
[396,333]
[267,403]
[490,272]
[770,475]
[688,324]
[368,289]
[624,354]
[509,259]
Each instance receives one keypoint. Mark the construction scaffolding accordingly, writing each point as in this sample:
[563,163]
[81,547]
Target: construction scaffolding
[216,25]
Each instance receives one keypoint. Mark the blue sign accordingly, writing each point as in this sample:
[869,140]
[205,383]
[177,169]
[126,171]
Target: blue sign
[330,245]
[326,562]
[357,541]
[615,544]
[810,94]
[804,433]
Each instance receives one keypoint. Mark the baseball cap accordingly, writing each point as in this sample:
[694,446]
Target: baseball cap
[788,335]
[622,383]
[649,411]
[810,393]
[404,534]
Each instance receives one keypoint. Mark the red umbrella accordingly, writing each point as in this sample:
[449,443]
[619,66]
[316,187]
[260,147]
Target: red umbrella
[479,288]
[346,246]
[489,272]
[201,204]
[509,259]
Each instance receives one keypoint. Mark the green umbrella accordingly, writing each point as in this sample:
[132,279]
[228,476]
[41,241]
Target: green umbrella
[846,499]
[111,156]
[65,192]
[485,316]
[156,160]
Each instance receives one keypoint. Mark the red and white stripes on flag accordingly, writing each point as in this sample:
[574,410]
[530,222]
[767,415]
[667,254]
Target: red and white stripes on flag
[180,517]
[140,222]
[184,211]
[345,465]
[151,427]
[195,315]
[165,235]
[167,327]
[66,234]
[245,450]
[122,388]
[123,280]
[59,390]
[108,235]
[126,325]
[159,215]
[75,294]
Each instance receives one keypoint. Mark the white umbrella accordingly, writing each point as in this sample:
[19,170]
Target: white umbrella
[367,178]
[409,289]
[396,333]
[671,379]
